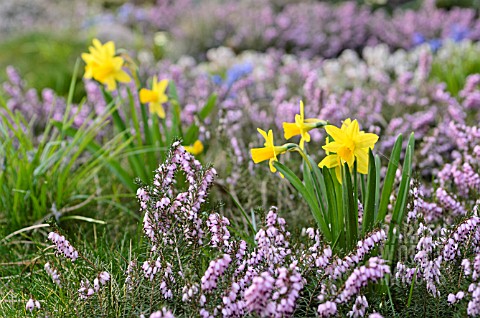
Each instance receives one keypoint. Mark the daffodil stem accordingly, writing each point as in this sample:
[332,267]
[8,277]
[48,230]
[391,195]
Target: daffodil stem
[302,153]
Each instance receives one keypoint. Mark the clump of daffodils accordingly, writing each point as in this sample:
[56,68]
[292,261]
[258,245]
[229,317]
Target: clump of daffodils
[346,144]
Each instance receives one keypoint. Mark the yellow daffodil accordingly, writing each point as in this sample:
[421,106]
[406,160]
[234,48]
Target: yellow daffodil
[196,148]
[103,66]
[302,126]
[269,152]
[332,161]
[155,97]
[349,144]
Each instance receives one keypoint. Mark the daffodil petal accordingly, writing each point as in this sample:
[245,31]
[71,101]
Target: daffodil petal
[261,154]
[147,96]
[337,134]
[123,77]
[157,108]
[332,146]
[338,173]
[290,130]
[366,140]
[362,161]
[329,161]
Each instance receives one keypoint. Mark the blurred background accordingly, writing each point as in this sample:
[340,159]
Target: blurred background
[43,38]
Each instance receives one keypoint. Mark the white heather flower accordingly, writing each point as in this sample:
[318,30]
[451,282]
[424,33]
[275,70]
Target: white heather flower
[451,298]
[30,305]
[96,284]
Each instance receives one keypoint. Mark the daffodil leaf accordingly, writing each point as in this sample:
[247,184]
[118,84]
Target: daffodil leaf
[331,201]
[191,135]
[400,204]
[369,207]
[378,165]
[302,190]
[389,179]
[208,107]
[319,183]
[339,212]
[350,209]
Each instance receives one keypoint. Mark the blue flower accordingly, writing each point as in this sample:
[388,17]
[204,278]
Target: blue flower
[418,39]
[459,33]
[217,79]
[236,72]
[435,44]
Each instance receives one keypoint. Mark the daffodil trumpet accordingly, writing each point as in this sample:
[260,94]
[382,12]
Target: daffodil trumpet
[302,126]
[349,145]
[269,151]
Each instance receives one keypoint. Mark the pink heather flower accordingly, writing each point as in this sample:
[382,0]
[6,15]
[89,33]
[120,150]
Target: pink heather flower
[340,266]
[359,307]
[53,273]
[327,309]
[220,234]
[164,313]
[63,246]
[373,271]
[214,271]
[104,277]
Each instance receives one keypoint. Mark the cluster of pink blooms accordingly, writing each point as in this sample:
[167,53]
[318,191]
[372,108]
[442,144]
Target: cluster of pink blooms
[53,273]
[154,267]
[131,279]
[436,253]
[218,228]
[334,289]
[462,234]
[373,271]
[340,266]
[214,271]
[359,308]
[272,241]
[274,297]
[86,290]
[261,283]
[317,255]
[189,292]
[163,207]
[63,246]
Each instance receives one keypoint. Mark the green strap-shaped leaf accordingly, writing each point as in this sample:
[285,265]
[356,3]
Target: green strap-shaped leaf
[208,107]
[369,208]
[389,179]
[350,209]
[400,204]
[300,187]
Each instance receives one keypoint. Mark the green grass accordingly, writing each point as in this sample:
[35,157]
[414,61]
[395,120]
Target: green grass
[45,60]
